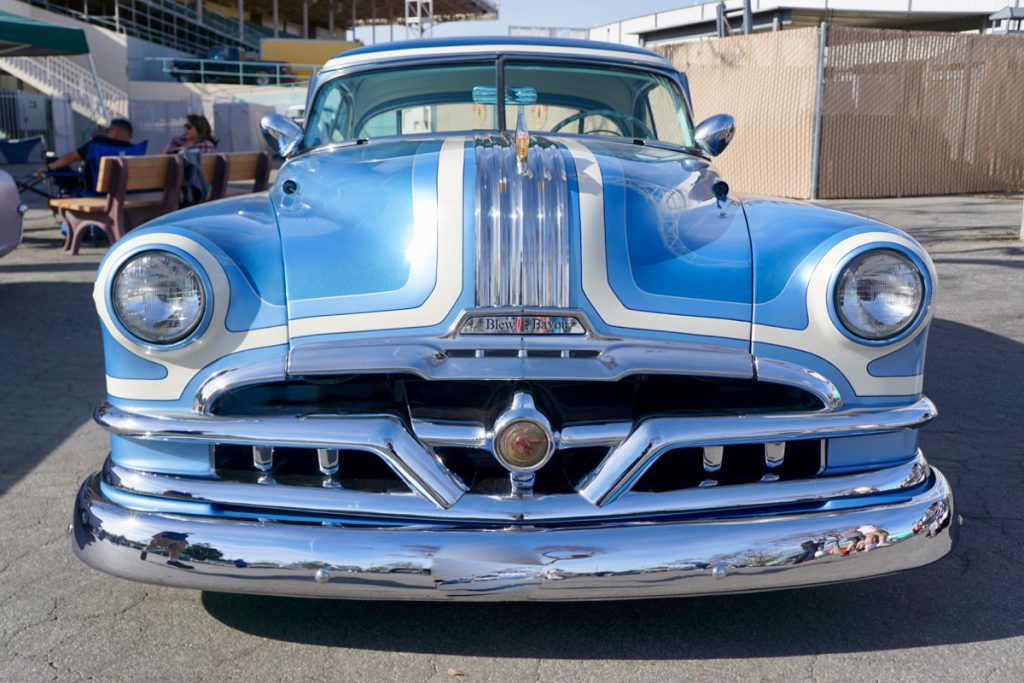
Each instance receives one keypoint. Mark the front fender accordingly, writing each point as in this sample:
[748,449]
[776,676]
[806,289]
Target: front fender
[798,250]
[236,245]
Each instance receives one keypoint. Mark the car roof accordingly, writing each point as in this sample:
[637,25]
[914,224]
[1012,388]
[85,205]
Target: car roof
[495,44]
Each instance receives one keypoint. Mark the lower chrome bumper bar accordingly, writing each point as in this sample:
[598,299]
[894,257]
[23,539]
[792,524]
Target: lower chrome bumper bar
[590,562]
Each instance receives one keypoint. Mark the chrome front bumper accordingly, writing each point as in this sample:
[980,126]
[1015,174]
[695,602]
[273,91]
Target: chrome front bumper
[593,560]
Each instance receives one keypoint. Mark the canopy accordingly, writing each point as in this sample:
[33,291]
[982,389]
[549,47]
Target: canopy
[27,37]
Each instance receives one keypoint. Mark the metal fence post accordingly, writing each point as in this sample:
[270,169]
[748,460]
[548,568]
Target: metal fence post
[99,90]
[819,93]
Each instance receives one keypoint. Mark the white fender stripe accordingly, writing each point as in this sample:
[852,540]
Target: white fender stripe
[447,216]
[820,338]
[183,363]
[595,265]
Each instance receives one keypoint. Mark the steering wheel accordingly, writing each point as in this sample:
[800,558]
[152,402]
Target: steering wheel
[622,119]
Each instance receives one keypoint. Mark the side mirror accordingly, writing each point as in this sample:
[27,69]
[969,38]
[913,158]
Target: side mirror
[281,132]
[715,133]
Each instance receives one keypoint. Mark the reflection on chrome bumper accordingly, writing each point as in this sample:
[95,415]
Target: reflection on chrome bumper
[591,562]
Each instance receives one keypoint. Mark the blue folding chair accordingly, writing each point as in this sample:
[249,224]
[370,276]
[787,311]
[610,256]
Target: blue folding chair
[97,152]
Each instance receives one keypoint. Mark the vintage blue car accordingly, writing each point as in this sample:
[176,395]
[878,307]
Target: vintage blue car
[500,331]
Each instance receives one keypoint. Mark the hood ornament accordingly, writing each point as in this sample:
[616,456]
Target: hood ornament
[522,142]
[522,97]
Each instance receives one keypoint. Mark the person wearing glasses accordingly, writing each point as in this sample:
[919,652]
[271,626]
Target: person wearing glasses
[197,136]
[119,134]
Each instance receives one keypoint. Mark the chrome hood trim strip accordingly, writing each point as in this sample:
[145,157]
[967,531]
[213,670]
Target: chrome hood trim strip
[522,225]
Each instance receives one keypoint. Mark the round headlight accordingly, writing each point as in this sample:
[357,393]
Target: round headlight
[158,297]
[879,294]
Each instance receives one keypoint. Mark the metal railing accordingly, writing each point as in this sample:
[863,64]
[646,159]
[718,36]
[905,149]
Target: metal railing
[62,77]
[235,72]
[165,22]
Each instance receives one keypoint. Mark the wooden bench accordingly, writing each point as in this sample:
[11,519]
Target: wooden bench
[137,189]
[239,167]
[155,184]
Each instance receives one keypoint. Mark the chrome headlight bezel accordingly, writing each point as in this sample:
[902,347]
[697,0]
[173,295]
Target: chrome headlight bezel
[139,335]
[909,324]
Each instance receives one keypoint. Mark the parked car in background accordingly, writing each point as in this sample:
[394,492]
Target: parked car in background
[11,212]
[500,331]
[231,65]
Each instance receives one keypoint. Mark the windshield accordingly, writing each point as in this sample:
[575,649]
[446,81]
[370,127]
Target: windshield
[553,98]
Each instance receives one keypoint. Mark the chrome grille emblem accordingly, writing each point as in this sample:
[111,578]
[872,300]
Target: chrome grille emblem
[522,324]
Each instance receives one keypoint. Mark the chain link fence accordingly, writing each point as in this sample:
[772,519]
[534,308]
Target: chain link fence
[766,81]
[921,113]
[901,113]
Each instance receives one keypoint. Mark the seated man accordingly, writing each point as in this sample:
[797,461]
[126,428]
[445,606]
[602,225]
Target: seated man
[119,134]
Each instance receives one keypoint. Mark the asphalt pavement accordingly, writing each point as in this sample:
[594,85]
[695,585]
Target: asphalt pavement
[959,619]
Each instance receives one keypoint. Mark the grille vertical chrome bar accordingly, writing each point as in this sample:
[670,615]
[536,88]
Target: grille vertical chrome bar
[263,458]
[712,461]
[713,458]
[774,456]
[327,460]
[774,453]
[522,226]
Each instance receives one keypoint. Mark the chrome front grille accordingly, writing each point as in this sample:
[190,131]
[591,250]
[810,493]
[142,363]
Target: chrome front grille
[381,445]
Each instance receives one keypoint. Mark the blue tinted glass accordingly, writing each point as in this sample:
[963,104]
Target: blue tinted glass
[401,102]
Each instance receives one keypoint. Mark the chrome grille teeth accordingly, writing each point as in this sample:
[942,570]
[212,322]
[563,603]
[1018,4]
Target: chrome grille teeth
[712,463]
[774,456]
[263,458]
[327,460]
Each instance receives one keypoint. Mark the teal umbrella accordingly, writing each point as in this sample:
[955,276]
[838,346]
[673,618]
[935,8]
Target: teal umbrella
[27,37]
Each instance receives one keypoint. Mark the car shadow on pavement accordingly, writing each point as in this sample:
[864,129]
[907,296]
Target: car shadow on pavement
[52,373]
[976,378]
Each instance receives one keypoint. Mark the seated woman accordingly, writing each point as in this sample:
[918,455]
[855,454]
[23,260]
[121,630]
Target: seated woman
[197,136]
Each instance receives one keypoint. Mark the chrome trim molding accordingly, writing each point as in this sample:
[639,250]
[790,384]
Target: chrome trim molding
[522,225]
[781,372]
[469,434]
[455,358]
[625,464]
[551,508]
[229,379]
[383,435]
[603,561]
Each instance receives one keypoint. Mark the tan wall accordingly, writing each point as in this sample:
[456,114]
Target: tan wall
[766,81]
[921,114]
[304,52]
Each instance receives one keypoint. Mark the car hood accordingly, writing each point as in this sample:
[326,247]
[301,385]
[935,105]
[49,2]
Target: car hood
[402,236]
